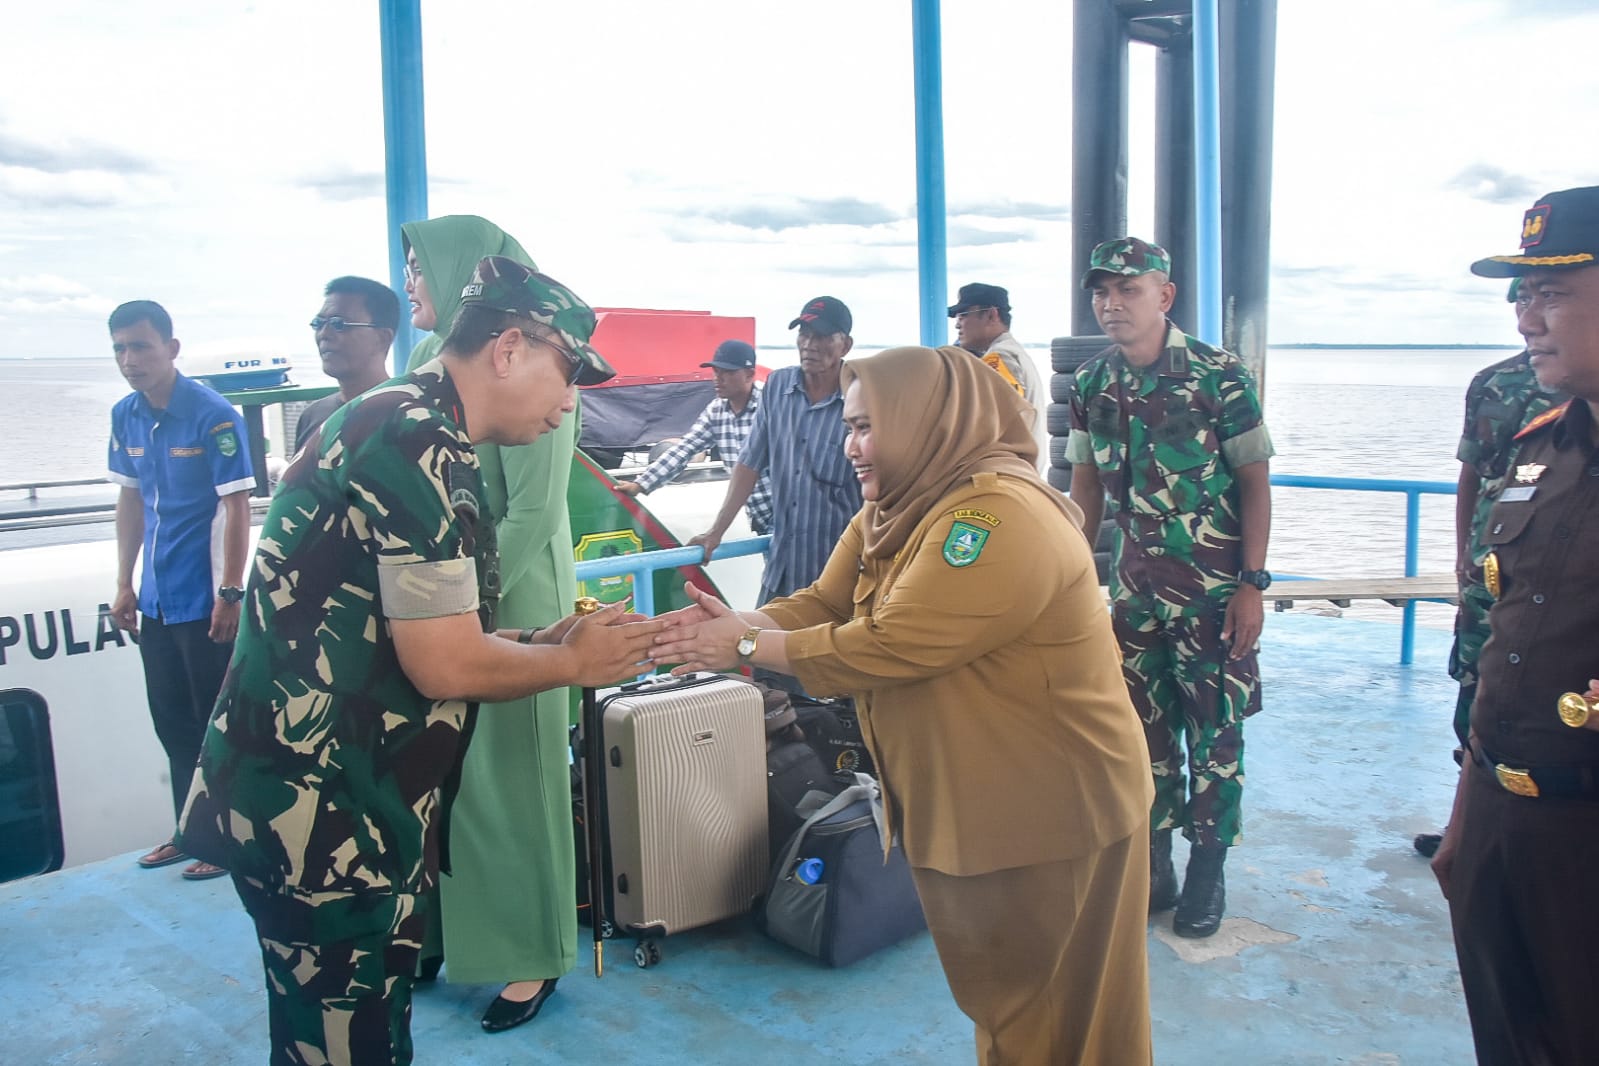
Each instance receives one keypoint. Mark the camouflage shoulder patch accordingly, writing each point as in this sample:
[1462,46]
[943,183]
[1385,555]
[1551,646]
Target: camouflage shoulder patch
[980,516]
[964,544]
[1542,420]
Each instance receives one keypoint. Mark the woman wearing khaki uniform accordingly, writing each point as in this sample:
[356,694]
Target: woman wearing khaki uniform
[962,610]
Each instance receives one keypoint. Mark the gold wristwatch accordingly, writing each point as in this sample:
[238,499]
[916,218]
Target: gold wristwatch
[746,644]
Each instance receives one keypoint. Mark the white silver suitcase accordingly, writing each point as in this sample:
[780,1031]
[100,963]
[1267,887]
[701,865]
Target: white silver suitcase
[685,802]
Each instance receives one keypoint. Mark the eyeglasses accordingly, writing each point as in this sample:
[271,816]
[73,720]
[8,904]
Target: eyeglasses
[970,311]
[574,364]
[339,324]
[412,273]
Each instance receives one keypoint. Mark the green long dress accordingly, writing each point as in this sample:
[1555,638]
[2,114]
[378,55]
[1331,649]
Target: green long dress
[509,905]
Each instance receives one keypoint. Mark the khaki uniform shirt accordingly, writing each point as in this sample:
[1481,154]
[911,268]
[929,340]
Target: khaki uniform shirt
[988,682]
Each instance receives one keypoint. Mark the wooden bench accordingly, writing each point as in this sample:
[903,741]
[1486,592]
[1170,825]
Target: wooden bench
[1342,591]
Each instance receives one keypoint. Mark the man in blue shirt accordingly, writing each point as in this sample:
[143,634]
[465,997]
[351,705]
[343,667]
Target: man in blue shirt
[176,449]
[798,442]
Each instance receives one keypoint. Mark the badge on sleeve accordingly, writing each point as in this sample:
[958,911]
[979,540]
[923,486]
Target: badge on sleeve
[964,544]
[227,443]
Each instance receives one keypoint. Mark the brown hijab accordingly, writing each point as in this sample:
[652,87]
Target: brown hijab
[938,417]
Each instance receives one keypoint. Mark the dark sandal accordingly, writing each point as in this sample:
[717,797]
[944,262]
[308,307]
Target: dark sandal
[150,862]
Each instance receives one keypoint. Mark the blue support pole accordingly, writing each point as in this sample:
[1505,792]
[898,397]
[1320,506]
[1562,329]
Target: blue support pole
[405,144]
[1207,170]
[931,261]
[1407,636]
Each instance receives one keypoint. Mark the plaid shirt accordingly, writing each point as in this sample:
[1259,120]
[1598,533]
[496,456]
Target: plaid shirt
[720,425]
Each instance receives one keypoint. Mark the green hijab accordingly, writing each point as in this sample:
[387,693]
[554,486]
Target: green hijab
[447,249]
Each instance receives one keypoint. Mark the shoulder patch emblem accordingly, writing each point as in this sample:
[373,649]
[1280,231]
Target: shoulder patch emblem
[980,516]
[964,544]
[228,443]
[220,426]
[1543,420]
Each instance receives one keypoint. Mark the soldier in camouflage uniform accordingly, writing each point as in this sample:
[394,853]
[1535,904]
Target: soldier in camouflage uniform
[1169,431]
[328,766]
[1501,399]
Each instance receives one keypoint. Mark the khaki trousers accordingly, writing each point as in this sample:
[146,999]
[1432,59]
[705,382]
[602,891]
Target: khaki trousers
[1050,961]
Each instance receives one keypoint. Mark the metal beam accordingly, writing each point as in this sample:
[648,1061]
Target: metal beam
[404,143]
[1207,174]
[931,255]
[1154,9]
[1174,167]
[1249,40]
[1099,142]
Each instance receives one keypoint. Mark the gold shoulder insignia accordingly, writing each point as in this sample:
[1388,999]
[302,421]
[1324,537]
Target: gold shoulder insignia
[1543,420]
[980,516]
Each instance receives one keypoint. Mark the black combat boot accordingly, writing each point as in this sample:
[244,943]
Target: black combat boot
[1162,877]
[1204,892]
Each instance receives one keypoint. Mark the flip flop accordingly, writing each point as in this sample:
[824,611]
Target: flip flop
[203,871]
[151,862]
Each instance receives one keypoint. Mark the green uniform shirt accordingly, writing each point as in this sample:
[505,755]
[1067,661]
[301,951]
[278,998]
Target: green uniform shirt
[1501,399]
[1166,439]
[323,767]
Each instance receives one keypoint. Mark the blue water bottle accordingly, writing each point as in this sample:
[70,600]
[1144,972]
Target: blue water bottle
[809,871]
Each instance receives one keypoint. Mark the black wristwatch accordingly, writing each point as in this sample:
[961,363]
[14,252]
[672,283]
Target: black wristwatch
[230,594]
[1261,579]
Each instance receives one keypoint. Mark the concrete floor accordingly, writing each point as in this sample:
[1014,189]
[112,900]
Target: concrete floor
[1336,948]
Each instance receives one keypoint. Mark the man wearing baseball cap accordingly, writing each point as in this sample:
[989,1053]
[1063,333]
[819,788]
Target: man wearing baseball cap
[331,759]
[1517,862]
[725,423]
[982,327]
[798,442]
[1170,430]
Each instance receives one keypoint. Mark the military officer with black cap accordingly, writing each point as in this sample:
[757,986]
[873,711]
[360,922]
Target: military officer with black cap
[982,327]
[1516,863]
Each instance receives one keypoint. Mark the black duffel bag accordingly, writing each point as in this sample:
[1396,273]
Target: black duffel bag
[832,727]
[831,894]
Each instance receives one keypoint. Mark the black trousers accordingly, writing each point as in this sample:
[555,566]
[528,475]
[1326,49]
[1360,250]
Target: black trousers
[1524,902]
[183,670]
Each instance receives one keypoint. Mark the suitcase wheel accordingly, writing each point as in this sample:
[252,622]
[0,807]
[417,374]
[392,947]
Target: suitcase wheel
[646,954]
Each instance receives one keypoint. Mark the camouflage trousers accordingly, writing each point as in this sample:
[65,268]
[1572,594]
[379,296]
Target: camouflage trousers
[1471,633]
[338,974]
[1193,702]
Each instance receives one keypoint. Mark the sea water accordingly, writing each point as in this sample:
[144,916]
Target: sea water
[1371,413]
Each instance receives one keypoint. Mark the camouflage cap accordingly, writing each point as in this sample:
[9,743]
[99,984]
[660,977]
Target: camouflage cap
[506,285]
[1559,232]
[1127,256]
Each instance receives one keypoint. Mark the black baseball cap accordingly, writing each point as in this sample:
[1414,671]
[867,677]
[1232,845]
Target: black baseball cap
[733,355]
[1559,232]
[825,314]
[979,295]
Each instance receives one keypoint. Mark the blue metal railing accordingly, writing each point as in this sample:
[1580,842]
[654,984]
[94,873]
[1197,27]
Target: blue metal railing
[1413,490]
[642,565]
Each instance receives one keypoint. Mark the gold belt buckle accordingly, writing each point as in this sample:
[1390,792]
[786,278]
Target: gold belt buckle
[1518,781]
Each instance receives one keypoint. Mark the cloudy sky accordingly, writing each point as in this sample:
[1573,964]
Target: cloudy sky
[225,157]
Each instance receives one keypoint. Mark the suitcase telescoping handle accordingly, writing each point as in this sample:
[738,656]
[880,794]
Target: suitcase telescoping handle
[594,807]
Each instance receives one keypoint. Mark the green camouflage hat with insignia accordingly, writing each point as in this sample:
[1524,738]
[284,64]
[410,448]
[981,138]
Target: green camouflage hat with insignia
[1127,256]
[506,285]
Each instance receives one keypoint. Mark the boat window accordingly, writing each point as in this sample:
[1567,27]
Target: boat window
[30,812]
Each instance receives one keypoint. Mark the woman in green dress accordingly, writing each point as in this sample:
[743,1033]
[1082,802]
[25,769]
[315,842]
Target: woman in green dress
[508,909]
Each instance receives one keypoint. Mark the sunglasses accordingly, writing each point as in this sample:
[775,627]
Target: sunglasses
[574,365]
[339,324]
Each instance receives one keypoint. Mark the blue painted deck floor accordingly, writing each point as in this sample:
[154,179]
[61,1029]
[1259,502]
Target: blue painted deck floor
[1336,948]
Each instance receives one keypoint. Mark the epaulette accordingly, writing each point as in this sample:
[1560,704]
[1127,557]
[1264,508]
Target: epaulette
[1542,420]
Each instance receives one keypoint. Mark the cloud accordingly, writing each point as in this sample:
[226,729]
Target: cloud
[1038,212]
[1533,9]
[68,156]
[79,188]
[344,185]
[874,266]
[31,294]
[961,235]
[1495,185]
[800,213]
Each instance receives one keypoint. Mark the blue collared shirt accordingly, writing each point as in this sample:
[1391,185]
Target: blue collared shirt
[800,447]
[182,460]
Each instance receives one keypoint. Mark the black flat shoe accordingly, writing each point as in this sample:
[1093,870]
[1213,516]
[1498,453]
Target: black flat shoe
[427,970]
[506,1014]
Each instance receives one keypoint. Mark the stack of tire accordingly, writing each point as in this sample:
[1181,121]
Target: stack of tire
[1066,354]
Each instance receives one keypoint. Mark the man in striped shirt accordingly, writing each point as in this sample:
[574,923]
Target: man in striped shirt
[798,442]
[726,422]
